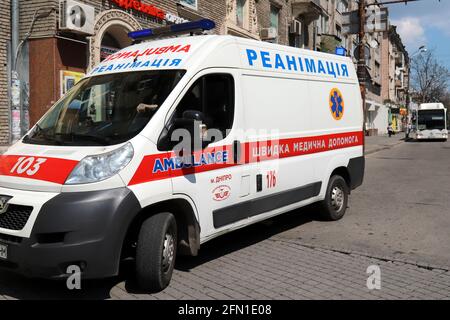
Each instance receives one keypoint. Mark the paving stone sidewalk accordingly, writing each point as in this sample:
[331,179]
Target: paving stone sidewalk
[269,269]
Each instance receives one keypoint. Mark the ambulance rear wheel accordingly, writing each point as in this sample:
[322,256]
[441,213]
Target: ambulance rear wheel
[156,252]
[334,205]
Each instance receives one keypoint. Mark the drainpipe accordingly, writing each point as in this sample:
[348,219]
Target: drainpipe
[16,113]
[14,25]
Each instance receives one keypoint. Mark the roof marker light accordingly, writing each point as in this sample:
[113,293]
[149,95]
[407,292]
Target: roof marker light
[200,25]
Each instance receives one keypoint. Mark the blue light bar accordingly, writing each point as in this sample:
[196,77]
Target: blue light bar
[340,51]
[204,24]
[140,33]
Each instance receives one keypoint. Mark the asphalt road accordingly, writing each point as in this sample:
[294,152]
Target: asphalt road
[402,210]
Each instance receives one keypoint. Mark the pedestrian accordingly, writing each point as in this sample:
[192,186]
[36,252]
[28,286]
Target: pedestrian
[390,130]
[408,130]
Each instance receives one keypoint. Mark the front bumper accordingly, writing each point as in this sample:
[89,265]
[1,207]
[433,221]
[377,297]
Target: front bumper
[86,229]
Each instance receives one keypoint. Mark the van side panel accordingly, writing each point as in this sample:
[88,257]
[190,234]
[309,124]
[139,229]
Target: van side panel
[323,101]
[275,109]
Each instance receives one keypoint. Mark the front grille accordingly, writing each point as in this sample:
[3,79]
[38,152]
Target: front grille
[6,238]
[15,217]
[8,264]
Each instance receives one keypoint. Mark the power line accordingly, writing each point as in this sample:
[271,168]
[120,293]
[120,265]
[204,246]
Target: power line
[394,2]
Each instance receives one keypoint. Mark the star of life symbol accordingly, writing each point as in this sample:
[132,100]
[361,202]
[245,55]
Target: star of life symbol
[336,104]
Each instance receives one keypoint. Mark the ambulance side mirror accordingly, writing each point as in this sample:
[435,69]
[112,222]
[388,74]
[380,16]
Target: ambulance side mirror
[191,126]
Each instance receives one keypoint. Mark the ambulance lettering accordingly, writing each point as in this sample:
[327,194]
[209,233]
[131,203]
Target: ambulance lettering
[221,178]
[28,165]
[177,163]
[149,51]
[156,63]
[285,62]
[148,58]
[342,142]
[54,170]
[164,166]
[271,178]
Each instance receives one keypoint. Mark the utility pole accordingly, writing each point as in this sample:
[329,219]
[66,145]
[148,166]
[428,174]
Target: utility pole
[362,58]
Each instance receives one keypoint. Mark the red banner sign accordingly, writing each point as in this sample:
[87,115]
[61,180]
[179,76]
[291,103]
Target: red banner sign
[141,7]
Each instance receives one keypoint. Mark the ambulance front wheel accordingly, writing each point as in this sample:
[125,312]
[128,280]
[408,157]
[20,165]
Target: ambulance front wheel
[334,205]
[156,252]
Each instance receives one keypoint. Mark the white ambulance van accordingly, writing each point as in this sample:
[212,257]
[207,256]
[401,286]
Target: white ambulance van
[99,179]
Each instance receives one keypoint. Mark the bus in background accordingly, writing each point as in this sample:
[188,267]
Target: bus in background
[430,122]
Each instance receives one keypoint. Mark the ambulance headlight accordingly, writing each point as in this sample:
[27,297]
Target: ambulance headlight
[102,166]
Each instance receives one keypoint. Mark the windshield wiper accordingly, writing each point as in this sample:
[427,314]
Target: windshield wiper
[41,135]
[92,137]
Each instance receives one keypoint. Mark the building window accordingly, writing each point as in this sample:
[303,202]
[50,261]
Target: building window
[344,43]
[240,12]
[342,6]
[338,32]
[323,25]
[189,3]
[377,70]
[274,18]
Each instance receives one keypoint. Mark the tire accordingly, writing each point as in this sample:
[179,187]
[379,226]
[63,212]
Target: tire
[156,252]
[334,205]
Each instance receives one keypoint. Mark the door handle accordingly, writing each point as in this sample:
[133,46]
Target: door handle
[236,151]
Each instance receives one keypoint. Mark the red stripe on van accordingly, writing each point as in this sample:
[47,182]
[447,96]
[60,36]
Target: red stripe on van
[54,170]
[251,151]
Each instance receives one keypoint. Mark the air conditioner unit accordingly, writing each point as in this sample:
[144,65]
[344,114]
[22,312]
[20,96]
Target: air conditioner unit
[295,27]
[76,17]
[269,33]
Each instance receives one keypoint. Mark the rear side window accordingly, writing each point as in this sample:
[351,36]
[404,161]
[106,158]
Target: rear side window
[213,95]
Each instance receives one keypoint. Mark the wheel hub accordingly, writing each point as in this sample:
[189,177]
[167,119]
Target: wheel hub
[168,252]
[337,198]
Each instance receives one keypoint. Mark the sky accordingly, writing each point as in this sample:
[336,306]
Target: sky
[425,22]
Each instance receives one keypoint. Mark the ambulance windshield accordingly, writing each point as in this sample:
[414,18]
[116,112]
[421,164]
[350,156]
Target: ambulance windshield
[105,110]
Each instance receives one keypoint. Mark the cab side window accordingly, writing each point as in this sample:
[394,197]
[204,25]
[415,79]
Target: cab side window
[213,95]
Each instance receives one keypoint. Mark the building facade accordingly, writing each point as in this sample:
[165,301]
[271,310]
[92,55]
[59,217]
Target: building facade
[395,78]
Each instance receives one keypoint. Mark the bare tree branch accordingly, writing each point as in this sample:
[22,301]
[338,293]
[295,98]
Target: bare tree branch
[430,79]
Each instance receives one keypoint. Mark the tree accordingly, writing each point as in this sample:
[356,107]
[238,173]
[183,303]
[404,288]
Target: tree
[430,79]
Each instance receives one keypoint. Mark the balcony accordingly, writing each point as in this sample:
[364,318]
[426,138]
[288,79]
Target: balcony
[307,9]
[399,59]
